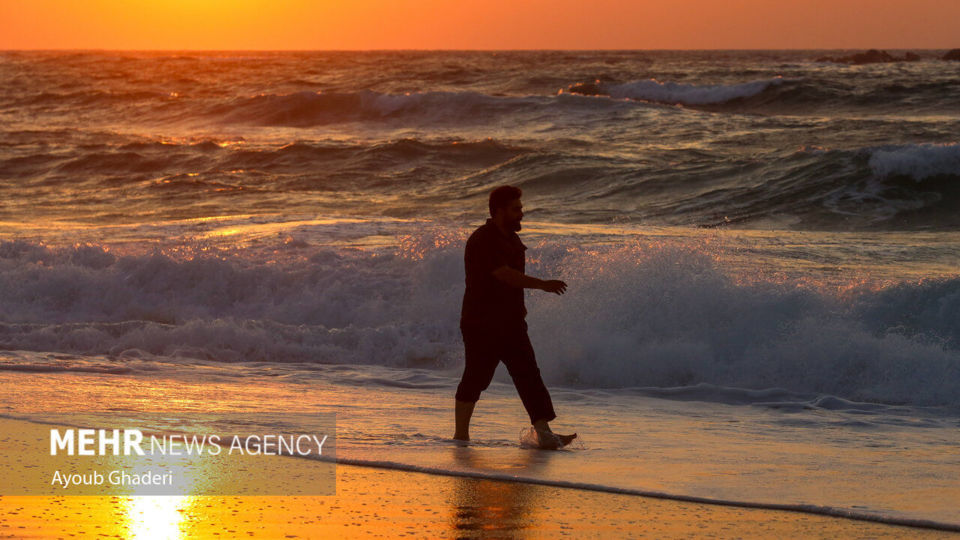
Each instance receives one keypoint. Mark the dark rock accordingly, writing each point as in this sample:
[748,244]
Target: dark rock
[952,55]
[911,57]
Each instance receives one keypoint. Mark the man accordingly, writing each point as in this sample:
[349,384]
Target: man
[492,319]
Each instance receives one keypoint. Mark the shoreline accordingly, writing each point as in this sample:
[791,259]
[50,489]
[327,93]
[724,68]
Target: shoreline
[808,509]
[380,499]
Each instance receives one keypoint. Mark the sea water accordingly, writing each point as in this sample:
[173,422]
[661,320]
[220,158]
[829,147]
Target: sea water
[762,256]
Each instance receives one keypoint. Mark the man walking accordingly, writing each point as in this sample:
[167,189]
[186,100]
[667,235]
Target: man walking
[492,319]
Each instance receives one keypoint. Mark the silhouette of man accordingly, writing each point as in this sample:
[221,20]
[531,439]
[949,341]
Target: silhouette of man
[492,318]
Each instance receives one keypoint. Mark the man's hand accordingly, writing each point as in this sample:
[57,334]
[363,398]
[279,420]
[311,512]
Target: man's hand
[554,286]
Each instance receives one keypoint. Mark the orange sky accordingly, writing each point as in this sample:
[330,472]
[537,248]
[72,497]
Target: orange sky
[472,24]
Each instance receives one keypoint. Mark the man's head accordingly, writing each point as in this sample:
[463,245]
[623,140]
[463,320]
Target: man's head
[505,207]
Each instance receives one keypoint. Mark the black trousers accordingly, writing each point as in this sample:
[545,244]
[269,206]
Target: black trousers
[485,348]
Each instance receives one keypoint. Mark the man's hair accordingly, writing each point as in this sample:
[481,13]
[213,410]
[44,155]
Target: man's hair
[502,196]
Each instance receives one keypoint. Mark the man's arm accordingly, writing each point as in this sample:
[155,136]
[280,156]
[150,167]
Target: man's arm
[518,279]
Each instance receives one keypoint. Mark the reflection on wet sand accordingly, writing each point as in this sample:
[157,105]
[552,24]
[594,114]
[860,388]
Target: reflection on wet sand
[506,509]
[378,503]
[148,518]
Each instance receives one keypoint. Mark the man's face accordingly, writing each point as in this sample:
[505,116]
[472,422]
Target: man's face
[512,214]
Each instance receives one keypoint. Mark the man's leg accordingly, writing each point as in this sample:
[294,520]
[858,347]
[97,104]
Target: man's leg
[480,363]
[522,364]
[463,411]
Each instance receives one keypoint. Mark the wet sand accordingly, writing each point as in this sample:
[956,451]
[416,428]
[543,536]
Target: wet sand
[386,503]
[377,503]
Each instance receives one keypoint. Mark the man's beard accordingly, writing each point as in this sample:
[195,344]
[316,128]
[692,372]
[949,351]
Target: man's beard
[515,226]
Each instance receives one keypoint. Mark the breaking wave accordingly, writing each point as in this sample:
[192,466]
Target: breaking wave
[676,93]
[636,316]
[917,161]
[690,94]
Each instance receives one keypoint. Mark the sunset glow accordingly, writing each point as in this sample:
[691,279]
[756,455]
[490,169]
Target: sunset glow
[490,24]
[261,260]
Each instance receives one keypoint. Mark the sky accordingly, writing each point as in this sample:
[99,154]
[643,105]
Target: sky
[473,24]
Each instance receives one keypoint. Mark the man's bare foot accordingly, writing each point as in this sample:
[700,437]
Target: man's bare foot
[551,441]
[566,439]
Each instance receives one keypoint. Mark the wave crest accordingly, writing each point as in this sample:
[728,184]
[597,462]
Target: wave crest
[302,109]
[677,93]
[636,315]
[670,316]
[918,161]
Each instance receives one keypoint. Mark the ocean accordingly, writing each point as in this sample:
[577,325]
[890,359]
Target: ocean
[762,253]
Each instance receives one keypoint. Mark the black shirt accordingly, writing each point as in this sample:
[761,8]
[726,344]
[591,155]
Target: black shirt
[487,301]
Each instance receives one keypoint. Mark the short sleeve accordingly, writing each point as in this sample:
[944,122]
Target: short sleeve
[482,256]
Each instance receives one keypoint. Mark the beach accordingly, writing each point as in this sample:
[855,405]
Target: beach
[397,472]
[374,502]
[384,504]
[759,335]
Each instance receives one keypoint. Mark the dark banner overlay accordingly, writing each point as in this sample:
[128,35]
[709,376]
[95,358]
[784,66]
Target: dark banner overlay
[129,454]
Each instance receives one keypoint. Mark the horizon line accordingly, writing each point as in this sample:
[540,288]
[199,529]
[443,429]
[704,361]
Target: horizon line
[103,49]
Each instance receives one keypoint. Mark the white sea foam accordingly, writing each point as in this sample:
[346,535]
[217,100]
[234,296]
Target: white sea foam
[636,315]
[918,161]
[689,94]
[662,316]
